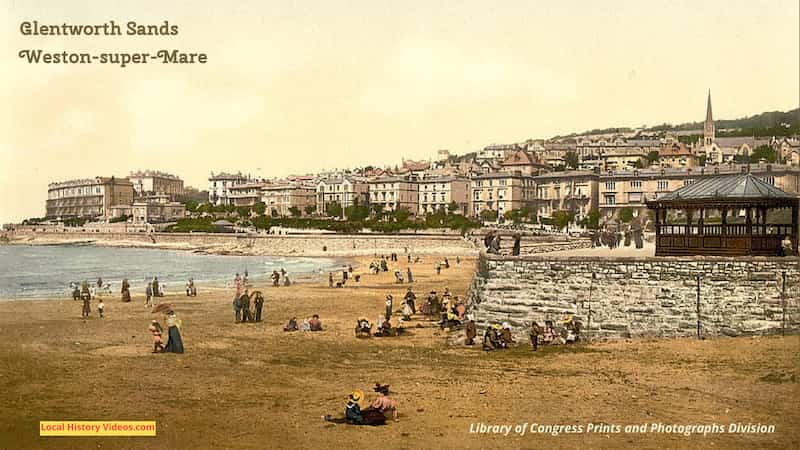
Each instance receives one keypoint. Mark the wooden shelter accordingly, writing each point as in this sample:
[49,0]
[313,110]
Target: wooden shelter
[742,202]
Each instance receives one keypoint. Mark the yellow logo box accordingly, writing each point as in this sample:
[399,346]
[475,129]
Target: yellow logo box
[97,428]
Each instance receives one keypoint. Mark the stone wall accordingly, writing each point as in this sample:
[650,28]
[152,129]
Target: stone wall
[623,297]
[277,245]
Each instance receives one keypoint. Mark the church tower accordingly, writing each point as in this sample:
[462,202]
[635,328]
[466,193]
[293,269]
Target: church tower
[709,133]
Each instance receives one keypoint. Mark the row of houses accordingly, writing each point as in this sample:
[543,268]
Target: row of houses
[142,197]
[502,191]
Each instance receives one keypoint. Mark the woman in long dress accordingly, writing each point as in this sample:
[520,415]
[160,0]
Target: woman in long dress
[175,343]
[126,290]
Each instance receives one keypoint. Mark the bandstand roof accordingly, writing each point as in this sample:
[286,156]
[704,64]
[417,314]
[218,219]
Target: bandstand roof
[739,189]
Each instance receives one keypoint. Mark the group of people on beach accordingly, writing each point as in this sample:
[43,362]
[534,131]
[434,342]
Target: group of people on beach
[499,336]
[312,323]
[174,342]
[246,306]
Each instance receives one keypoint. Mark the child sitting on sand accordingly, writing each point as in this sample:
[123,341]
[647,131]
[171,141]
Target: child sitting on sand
[158,343]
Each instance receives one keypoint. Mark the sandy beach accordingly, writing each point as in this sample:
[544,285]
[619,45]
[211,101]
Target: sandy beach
[254,386]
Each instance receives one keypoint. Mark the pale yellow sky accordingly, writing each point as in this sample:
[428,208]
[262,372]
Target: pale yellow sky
[303,86]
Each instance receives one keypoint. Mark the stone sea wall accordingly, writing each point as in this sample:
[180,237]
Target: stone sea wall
[639,297]
[277,245]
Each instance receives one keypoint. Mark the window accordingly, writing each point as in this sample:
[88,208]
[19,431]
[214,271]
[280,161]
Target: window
[610,200]
[636,184]
[662,185]
[770,180]
[688,181]
[610,185]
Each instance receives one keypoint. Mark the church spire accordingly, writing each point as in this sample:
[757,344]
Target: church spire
[709,133]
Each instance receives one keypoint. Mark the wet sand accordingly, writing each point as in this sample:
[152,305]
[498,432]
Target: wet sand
[254,386]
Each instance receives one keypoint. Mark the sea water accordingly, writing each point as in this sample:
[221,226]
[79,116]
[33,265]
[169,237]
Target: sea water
[47,271]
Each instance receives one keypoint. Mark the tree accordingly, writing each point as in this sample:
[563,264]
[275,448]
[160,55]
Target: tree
[571,160]
[377,208]
[205,208]
[261,222]
[764,152]
[191,205]
[562,218]
[401,214]
[334,209]
[356,213]
[274,213]
[295,211]
[626,214]
[452,207]
[592,220]
[488,215]
[260,208]
[310,209]
[652,157]
[243,211]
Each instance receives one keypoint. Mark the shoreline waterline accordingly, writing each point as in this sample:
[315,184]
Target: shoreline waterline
[46,272]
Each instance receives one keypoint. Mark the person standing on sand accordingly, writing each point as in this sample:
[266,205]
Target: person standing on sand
[100,307]
[126,290]
[472,330]
[258,303]
[410,299]
[535,332]
[237,282]
[245,304]
[175,342]
[87,308]
[237,308]
[410,275]
[388,314]
[158,342]
[330,279]
[275,278]
[148,302]
[156,288]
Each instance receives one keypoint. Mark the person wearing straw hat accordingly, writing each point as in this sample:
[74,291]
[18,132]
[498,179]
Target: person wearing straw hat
[352,411]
